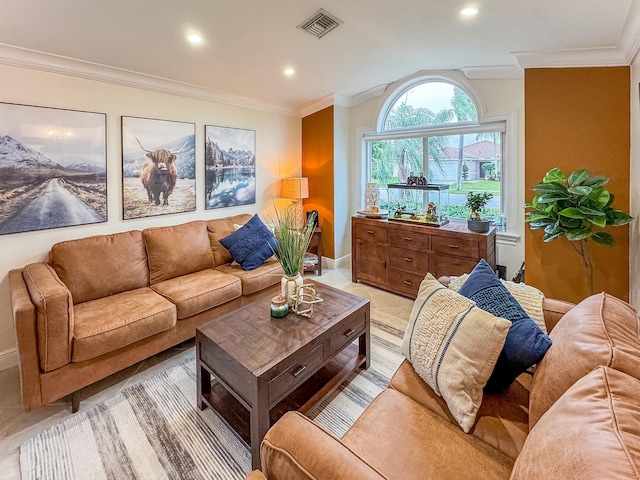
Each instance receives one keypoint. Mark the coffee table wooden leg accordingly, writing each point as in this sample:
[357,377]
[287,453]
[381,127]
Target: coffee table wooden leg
[203,381]
[364,343]
[260,421]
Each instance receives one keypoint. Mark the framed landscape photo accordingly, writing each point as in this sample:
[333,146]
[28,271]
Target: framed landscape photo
[158,167]
[230,166]
[53,168]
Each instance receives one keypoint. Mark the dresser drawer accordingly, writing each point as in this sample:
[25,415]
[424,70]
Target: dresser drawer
[295,375]
[440,265]
[348,332]
[463,247]
[371,233]
[408,239]
[405,283]
[409,260]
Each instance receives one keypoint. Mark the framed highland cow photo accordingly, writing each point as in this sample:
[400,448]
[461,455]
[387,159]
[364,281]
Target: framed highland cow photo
[53,168]
[158,167]
[230,166]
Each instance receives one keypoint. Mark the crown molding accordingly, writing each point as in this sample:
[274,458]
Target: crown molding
[583,57]
[497,72]
[35,60]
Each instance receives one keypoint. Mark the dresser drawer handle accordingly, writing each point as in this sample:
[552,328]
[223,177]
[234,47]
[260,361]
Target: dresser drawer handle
[407,259]
[408,282]
[299,370]
[408,239]
[349,332]
[370,232]
[453,245]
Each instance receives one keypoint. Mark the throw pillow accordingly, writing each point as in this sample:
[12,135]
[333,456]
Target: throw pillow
[525,345]
[453,345]
[251,244]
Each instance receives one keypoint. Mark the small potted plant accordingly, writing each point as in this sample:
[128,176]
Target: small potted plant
[476,202]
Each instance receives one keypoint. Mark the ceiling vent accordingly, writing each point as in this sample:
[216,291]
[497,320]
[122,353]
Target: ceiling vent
[320,23]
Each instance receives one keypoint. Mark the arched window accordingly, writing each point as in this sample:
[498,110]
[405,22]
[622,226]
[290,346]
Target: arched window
[434,127]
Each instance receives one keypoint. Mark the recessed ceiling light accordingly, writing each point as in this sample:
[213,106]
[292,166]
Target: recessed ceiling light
[469,11]
[289,72]
[194,38]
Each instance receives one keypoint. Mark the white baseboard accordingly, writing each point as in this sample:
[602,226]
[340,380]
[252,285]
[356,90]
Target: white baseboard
[342,262]
[8,358]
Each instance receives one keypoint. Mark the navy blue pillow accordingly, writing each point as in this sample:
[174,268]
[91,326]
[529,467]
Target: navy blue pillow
[525,344]
[251,244]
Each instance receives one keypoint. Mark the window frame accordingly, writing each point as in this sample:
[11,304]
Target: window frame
[505,121]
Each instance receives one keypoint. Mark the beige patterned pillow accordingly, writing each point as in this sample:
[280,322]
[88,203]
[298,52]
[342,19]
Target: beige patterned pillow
[453,345]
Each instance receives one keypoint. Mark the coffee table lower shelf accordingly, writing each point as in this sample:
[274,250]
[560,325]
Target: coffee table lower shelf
[309,394]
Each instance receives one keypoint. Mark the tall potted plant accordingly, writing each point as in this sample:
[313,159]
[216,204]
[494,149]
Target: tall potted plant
[292,247]
[476,203]
[578,208]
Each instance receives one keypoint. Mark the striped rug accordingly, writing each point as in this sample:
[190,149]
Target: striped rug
[154,430]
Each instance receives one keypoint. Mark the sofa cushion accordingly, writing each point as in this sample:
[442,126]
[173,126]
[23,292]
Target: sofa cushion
[592,431]
[525,345]
[251,244]
[502,420]
[454,346]
[402,439]
[177,250]
[600,330]
[267,274]
[102,265]
[54,315]
[199,291]
[109,323]
[222,227]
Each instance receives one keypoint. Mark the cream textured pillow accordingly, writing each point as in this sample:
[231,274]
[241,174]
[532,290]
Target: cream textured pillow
[453,345]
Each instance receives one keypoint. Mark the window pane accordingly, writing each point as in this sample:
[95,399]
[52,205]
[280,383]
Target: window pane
[467,162]
[431,103]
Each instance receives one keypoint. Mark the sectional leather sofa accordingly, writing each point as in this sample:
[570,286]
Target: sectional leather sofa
[103,303]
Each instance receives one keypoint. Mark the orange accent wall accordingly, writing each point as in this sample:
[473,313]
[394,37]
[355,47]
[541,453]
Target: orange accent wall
[317,165]
[578,118]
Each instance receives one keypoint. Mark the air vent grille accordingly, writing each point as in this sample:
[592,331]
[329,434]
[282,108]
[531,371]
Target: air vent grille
[320,23]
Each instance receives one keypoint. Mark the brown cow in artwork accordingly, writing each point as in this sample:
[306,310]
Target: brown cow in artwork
[158,174]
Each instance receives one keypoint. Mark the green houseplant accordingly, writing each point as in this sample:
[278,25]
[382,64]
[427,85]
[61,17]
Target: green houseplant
[578,208]
[293,243]
[476,203]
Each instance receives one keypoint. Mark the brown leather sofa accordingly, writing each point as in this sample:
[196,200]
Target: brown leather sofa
[103,303]
[577,416]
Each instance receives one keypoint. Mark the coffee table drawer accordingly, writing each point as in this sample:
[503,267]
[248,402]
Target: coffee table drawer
[297,373]
[347,334]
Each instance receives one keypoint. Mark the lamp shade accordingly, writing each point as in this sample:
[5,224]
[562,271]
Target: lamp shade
[294,188]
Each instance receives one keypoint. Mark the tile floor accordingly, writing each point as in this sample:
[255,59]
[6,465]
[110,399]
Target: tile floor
[16,426]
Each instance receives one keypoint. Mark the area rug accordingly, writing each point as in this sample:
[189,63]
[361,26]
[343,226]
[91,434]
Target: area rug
[154,430]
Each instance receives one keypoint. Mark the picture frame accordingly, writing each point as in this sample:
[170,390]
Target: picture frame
[53,168]
[158,167]
[230,167]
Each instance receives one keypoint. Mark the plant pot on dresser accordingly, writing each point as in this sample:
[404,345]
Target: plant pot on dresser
[395,256]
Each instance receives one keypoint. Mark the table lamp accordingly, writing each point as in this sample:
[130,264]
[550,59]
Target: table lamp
[295,188]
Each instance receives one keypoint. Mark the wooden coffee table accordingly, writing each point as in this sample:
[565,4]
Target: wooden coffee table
[252,368]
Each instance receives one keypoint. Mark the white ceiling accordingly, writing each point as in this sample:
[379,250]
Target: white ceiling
[249,42]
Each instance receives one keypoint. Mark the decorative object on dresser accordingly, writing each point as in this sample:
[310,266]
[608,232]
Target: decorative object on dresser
[422,203]
[476,203]
[395,256]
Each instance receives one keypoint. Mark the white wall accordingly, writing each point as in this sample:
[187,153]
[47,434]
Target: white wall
[634,188]
[278,154]
[499,96]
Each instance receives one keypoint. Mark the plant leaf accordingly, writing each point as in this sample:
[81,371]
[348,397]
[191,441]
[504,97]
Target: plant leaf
[571,212]
[579,234]
[550,198]
[600,221]
[549,187]
[580,190]
[538,224]
[596,181]
[552,236]
[577,177]
[591,211]
[603,238]
[618,217]
[555,175]
[570,223]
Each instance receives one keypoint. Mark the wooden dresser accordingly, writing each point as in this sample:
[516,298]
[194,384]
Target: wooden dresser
[396,256]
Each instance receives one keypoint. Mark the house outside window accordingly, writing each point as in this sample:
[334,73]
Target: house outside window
[435,126]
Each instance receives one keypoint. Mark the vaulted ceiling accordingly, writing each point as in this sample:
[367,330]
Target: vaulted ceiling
[248,43]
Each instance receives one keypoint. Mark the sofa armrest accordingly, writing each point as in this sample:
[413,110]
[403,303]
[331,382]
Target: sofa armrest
[295,447]
[54,315]
[554,310]
[255,475]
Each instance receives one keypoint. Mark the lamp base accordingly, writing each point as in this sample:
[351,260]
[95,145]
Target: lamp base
[295,212]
